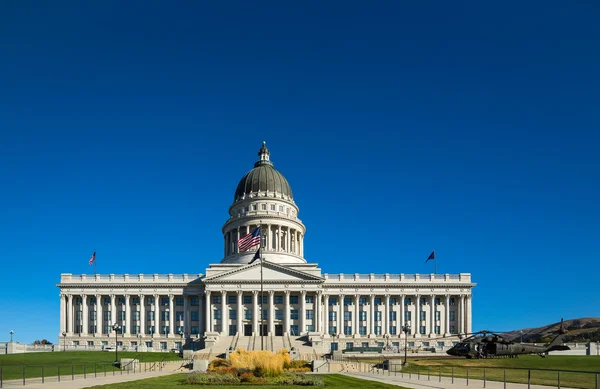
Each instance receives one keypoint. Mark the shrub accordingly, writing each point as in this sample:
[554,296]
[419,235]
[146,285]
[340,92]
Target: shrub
[208,378]
[263,363]
[298,379]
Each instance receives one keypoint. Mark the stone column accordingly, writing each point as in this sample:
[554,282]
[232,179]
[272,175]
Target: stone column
[156,321]
[142,314]
[171,315]
[432,317]
[341,318]
[186,315]
[224,320]
[207,318]
[469,316]
[127,323]
[113,310]
[99,315]
[417,320]
[372,315]
[317,309]
[401,320]
[447,316]
[326,315]
[63,313]
[461,315]
[256,319]
[240,309]
[302,315]
[84,315]
[69,315]
[286,313]
[356,314]
[271,313]
[386,319]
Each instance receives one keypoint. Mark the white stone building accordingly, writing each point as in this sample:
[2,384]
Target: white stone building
[300,304]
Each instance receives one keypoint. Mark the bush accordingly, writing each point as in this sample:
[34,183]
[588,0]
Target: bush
[208,379]
[298,379]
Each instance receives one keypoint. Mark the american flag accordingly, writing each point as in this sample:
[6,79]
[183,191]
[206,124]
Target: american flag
[92,259]
[249,240]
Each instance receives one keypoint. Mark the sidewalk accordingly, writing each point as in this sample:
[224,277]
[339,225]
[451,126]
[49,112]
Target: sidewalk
[80,382]
[445,383]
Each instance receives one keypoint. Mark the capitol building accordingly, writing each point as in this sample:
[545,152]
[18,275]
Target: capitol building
[300,306]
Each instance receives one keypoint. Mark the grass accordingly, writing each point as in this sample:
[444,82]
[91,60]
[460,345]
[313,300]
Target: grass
[70,362]
[334,381]
[572,369]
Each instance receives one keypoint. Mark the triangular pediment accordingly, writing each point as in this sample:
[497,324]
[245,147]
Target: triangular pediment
[271,273]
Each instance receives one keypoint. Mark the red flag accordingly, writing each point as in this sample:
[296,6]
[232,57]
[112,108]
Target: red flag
[92,259]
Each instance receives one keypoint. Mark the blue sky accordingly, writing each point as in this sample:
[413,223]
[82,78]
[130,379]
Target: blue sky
[471,128]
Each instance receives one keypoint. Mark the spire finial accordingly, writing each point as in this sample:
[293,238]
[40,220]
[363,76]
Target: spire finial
[263,154]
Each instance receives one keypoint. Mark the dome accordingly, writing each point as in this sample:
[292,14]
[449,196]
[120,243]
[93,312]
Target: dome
[264,178]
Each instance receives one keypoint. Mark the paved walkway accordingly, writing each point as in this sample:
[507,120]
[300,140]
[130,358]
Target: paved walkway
[80,382]
[445,383]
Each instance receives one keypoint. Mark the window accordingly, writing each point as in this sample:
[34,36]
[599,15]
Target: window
[332,316]
[392,330]
[334,346]
[362,330]
[452,301]
[135,315]
[380,344]
[422,315]
[232,329]
[92,315]
[92,329]
[452,329]
[164,301]
[281,208]
[437,330]
[362,315]
[294,314]
[333,301]
[377,300]
[265,299]
[246,209]
[279,315]
[309,299]
[163,345]
[396,345]
[425,344]
[452,314]
[232,314]
[136,330]
[216,299]
[293,299]
[411,344]
[364,344]
[422,301]
[194,316]
[347,316]
[263,207]
[347,300]
[436,301]
[377,315]
[194,330]
[122,315]
[349,345]
[136,301]
[179,301]
[150,315]
[278,299]
[90,343]
[217,314]
[78,315]
[265,314]
[164,330]
[179,315]
[422,330]
[377,330]
[150,330]
[164,315]
[437,315]
[440,344]
[248,314]
[194,301]
[272,207]
[347,330]
[392,316]
[108,329]
[247,299]
[407,315]
[231,299]
[407,301]
[310,328]
[93,302]
[150,300]
[362,301]
[332,330]
[254,207]
[121,301]
[392,301]
[294,330]
[107,301]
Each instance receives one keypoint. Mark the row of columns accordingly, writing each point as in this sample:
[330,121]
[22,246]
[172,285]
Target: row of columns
[274,238]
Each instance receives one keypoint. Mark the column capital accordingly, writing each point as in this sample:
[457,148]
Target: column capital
[223,292]
[83,296]
[239,292]
[303,292]
[126,296]
[255,292]
[287,292]
[171,296]
[112,296]
[387,296]
[207,292]
[142,297]
[271,292]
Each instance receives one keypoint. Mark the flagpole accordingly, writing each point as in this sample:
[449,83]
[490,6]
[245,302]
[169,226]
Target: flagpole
[434,262]
[94,263]
[262,292]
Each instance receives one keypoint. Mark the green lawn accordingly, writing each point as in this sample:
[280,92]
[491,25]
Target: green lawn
[572,369]
[70,362]
[174,381]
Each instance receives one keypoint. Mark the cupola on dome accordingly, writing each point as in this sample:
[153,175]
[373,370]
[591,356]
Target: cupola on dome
[263,180]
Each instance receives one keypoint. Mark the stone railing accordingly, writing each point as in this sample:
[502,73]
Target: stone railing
[405,278]
[68,278]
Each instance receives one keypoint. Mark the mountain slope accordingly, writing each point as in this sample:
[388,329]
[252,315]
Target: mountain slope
[579,330]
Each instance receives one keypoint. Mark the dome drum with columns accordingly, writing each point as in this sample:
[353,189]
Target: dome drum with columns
[302,308]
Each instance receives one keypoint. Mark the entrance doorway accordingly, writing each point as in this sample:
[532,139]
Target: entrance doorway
[264,330]
[279,330]
[247,329]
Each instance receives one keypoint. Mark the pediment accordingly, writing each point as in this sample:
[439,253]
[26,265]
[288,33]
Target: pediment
[272,273]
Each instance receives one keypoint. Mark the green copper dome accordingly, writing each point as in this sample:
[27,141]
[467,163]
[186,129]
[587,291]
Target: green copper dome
[263,179]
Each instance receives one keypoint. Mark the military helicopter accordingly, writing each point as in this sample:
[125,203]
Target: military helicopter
[486,344]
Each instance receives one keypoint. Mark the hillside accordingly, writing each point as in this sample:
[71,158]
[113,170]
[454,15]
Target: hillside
[579,330]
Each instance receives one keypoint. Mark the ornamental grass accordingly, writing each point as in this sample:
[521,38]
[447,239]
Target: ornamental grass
[262,363]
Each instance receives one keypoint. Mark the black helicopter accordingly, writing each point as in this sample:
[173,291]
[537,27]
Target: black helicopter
[485,344]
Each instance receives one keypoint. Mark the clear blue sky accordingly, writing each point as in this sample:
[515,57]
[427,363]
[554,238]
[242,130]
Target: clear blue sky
[401,126]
